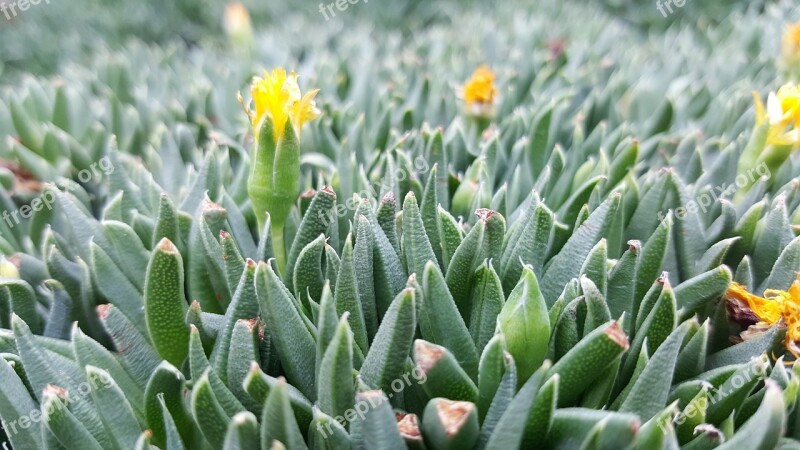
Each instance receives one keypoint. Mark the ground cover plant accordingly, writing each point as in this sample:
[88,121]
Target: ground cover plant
[370,226]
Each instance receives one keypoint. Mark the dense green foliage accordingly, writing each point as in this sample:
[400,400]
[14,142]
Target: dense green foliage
[536,277]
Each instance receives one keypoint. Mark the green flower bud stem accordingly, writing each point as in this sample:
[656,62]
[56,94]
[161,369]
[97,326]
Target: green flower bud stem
[274,181]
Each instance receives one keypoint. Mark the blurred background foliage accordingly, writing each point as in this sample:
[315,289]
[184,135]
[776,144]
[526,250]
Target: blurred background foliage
[42,38]
[156,60]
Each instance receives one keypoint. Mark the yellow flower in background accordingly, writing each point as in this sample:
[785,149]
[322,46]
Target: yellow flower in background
[278,97]
[480,91]
[237,25]
[791,41]
[776,305]
[783,115]
[237,19]
[790,53]
[480,87]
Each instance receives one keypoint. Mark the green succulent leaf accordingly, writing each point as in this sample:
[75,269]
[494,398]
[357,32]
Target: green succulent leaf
[525,323]
[292,337]
[165,303]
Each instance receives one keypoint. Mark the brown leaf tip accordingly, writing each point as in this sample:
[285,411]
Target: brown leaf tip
[484,214]
[453,414]
[636,425]
[710,430]
[166,246]
[427,355]
[58,391]
[250,323]
[615,333]
[408,426]
[261,332]
[634,246]
[210,207]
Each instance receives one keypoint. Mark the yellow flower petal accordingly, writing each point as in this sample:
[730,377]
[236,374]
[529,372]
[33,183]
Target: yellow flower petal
[278,97]
[480,87]
[775,306]
[305,109]
[782,112]
[761,113]
[774,109]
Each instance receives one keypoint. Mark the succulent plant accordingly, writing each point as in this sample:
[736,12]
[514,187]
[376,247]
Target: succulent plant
[567,251]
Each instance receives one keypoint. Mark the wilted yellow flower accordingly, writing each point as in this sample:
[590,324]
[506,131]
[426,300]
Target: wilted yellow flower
[770,309]
[278,97]
[791,41]
[783,115]
[480,91]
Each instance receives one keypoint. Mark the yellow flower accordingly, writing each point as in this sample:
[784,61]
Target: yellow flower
[237,25]
[480,91]
[791,41]
[237,19]
[776,305]
[789,98]
[278,97]
[783,115]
